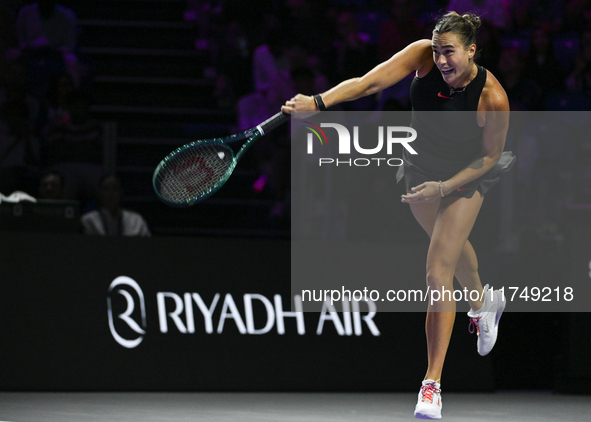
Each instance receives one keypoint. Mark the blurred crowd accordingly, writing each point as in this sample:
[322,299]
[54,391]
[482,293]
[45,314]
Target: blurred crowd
[275,48]
[265,52]
[262,53]
[44,107]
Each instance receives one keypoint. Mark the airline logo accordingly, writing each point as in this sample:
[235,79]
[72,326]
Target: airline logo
[184,313]
[131,291]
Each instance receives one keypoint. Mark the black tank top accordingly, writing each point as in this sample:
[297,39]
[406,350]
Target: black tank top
[432,93]
[448,135]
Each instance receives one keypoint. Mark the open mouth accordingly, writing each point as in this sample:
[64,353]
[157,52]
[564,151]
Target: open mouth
[447,71]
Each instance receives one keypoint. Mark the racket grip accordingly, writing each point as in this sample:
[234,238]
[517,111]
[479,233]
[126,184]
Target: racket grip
[273,122]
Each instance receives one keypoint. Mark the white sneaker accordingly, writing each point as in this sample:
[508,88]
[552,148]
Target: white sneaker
[429,403]
[486,320]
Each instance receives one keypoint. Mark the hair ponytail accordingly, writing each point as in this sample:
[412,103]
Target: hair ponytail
[473,20]
[464,26]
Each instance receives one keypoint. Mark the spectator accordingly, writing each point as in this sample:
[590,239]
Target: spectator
[231,58]
[110,219]
[271,80]
[270,67]
[200,12]
[19,147]
[272,84]
[74,146]
[60,89]
[45,25]
[52,185]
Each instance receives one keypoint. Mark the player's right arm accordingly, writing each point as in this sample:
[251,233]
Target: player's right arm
[410,59]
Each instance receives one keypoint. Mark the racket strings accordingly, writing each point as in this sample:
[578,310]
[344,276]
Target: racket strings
[194,171]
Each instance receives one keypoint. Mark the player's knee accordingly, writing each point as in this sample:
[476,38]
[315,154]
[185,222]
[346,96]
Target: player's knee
[439,276]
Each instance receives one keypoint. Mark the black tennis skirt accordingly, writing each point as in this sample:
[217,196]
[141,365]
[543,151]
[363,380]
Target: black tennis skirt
[414,176]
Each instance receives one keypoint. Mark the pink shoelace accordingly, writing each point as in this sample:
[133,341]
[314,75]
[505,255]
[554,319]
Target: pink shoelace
[474,323]
[427,392]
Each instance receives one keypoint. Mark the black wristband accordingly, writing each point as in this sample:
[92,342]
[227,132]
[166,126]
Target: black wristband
[319,102]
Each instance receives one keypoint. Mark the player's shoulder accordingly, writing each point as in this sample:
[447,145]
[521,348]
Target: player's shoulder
[422,47]
[90,215]
[420,53]
[494,97]
[131,214]
[27,10]
[424,43]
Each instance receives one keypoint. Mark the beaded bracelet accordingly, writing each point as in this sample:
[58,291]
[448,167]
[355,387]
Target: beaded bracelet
[441,189]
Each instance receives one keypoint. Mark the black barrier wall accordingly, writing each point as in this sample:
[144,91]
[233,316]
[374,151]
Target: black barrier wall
[215,317]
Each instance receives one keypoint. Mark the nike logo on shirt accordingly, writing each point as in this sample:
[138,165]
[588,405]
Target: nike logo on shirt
[444,96]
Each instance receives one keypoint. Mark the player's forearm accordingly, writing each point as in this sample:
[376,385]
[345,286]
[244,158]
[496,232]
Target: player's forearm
[385,74]
[473,171]
[348,90]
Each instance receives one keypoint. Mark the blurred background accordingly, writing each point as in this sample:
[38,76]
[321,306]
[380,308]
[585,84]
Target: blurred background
[110,87]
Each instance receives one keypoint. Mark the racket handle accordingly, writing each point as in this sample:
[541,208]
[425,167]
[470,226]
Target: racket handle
[273,122]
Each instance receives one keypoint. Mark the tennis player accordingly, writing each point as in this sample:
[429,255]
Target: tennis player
[448,178]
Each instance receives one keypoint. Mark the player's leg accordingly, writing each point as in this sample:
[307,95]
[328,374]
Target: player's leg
[467,266]
[486,309]
[468,276]
[454,221]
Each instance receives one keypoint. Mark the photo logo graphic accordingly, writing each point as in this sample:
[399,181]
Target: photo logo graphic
[310,138]
[126,315]
[388,136]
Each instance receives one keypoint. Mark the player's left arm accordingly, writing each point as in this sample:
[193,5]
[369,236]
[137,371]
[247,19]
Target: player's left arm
[495,109]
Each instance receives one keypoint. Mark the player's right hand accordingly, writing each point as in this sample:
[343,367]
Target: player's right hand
[300,103]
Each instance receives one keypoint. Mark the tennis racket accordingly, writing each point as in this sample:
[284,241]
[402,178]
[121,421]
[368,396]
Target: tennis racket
[198,169]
